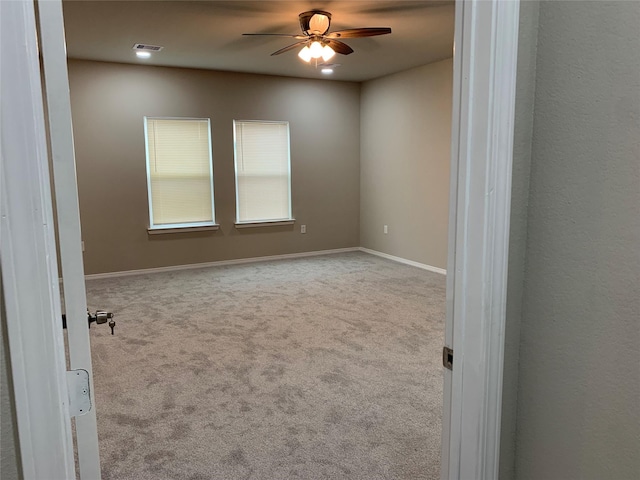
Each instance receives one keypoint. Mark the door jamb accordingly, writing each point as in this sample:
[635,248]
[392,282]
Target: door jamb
[485,61]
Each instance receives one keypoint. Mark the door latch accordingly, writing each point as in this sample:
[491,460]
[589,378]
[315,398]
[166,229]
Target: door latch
[79,393]
[447,358]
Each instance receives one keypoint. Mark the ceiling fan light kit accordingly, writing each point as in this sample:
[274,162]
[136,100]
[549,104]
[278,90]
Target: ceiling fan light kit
[316,50]
[305,54]
[327,53]
[317,42]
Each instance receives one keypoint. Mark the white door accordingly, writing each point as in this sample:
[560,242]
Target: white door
[27,251]
[65,192]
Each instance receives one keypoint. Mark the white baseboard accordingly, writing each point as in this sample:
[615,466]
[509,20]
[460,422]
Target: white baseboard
[423,266]
[268,258]
[220,263]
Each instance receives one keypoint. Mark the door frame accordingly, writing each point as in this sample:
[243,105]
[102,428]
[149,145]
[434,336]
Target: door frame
[485,62]
[482,136]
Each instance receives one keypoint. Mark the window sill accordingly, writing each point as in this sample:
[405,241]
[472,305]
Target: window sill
[185,229]
[265,223]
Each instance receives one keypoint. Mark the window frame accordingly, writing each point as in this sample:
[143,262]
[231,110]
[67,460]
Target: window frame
[262,222]
[183,226]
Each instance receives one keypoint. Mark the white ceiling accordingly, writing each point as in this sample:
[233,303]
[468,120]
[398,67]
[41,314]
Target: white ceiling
[208,34]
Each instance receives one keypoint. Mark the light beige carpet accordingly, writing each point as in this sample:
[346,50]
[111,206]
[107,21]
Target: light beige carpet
[316,368]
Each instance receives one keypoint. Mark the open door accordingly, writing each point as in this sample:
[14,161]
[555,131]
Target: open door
[30,292]
[65,193]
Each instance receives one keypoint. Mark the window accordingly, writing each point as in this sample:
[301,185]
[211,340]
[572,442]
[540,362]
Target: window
[179,173]
[263,172]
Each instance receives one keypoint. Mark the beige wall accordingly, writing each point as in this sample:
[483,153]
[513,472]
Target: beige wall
[108,105]
[405,131]
[579,373]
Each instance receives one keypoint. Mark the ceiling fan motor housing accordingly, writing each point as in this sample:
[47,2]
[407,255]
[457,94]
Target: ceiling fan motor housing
[315,22]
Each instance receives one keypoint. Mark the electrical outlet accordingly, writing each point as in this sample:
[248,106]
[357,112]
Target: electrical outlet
[303,229]
[386,229]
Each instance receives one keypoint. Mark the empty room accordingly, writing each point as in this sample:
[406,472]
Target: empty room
[269,232]
[223,346]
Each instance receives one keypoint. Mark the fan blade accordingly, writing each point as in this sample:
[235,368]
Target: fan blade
[299,37]
[339,47]
[359,32]
[290,47]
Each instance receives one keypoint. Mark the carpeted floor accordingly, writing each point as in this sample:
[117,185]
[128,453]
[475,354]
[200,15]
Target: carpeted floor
[323,367]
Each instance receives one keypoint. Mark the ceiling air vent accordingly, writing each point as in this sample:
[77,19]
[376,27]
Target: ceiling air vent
[148,48]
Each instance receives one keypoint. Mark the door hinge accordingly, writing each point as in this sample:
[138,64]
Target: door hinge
[447,358]
[79,393]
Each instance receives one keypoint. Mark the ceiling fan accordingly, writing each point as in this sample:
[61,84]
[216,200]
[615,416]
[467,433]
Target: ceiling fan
[316,39]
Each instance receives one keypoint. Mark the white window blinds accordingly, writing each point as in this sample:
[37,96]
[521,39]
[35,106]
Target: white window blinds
[263,173]
[179,172]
